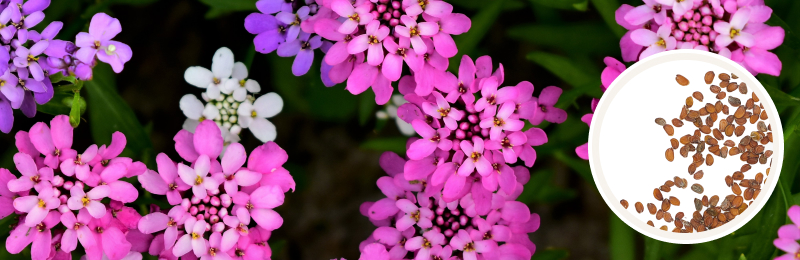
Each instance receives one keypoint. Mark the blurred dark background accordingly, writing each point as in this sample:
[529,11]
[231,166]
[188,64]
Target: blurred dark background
[334,139]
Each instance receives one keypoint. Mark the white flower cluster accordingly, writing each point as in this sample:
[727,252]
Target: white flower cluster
[229,100]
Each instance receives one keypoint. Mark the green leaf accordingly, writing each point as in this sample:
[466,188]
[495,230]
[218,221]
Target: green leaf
[550,254]
[540,189]
[366,107]
[509,5]
[621,239]
[109,113]
[569,37]
[741,257]
[394,144]
[781,99]
[59,77]
[652,248]
[563,67]
[481,23]
[772,217]
[579,5]
[59,105]
[221,7]
[332,104]
[133,2]
[577,164]
[607,9]
[75,112]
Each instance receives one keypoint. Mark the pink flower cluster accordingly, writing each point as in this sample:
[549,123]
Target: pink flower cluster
[476,139]
[731,28]
[213,220]
[613,69]
[416,218]
[389,34]
[56,183]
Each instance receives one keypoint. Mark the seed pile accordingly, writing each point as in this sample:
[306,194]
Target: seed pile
[719,125]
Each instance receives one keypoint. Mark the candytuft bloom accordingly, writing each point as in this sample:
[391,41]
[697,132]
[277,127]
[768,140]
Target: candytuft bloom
[213,220]
[57,184]
[732,29]
[788,235]
[613,69]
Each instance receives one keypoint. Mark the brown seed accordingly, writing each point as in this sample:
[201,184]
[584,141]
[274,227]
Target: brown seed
[763,115]
[709,160]
[720,96]
[659,214]
[738,176]
[732,86]
[733,76]
[665,205]
[709,77]
[725,109]
[739,131]
[669,183]
[697,95]
[742,208]
[660,121]
[762,126]
[650,222]
[670,131]
[755,193]
[678,223]
[749,104]
[710,108]
[723,152]
[748,193]
[722,218]
[697,188]
[734,101]
[699,174]
[729,130]
[737,201]
[639,207]
[680,183]
[724,76]
[715,89]
[736,190]
[717,134]
[762,159]
[705,201]
[733,151]
[713,201]
[674,143]
[701,147]
[684,151]
[726,204]
[624,203]
[757,110]
[665,188]
[759,178]
[755,98]
[735,211]
[689,102]
[657,194]
[693,114]
[739,112]
[705,129]
[665,228]
[652,208]
[698,204]
[670,154]
[686,139]
[677,122]
[668,217]
[674,201]
[729,143]
[743,88]
[681,80]
[728,180]
[702,111]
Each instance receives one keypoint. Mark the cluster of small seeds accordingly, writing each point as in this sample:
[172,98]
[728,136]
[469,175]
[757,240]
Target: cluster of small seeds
[710,136]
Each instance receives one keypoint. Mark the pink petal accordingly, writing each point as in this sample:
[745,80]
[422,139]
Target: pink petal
[382,209]
[184,145]
[419,169]
[183,246]
[438,8]
[267,218]
[644,37]
[281,178]
[40,249]
[267,158]
[234,158]
[267,197]
[515,212]
[583,151]
[208,139]
[358,44]
[362,78]
[153,183]
[153,222]
[61,132]
[763,61]
[630,49]
[41,138]
[455,24]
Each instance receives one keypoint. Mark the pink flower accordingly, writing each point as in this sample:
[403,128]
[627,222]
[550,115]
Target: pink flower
[613,69]
[654,41]
[502,120]
[259,205]
[492,97]
[426,244]
[374,252]
[436,8]
[415,32]
[193,239]
[442,110]
[355,15]
[396,54]
[77,229]
[90,201]
[371,41]
[471,248]
[413,215]
[651,10]
[788,235]
[547,100]
[37,206]
[475,158]
[432,139]
[678,6]
[166,181]
[111,240]
[198,177]
[733,31]
[232,170]
[40,236]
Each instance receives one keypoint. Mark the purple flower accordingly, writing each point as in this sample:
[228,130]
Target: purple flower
[98,43]
[303,48]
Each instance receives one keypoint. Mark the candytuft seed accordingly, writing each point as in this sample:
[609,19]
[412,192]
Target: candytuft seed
[660,121]
[697,95]
[639,207]
[697,188]
[709,77]
[681,80]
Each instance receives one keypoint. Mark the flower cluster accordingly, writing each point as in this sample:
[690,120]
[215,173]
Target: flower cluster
[287,26]
[613,69]
[213,220]
[476,139]
[416,218]
[731,28]
[390,112]
[366,43]
[29,57]
[58,184]
[788,235]
[229,100]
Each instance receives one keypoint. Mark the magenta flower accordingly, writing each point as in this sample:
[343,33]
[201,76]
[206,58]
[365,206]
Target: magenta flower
[372,42]
[475,158]
[432,139]
[225,198]
[413,215]
[732,29]
[613,69]
[355,15]
[788,236]
[98,43]
[44,197]
[415,31]
[547,100]
[501,120]
[442,110]
[492,97]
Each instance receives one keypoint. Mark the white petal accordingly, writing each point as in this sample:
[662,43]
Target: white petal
[245,121]
[268,105]
[240,94]
[190,125]
[229,86]
[239,71]
[236,129]
[263,129]
[252,86]
[245,109]
[191,106]
[210,112]
[213,91]
[198,76]
[222,63]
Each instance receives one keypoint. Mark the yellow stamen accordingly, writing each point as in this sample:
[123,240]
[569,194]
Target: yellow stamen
[198,180]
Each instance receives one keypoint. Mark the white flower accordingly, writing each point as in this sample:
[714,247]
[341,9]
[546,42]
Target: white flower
[254,115]
[212,80]
[239,85]
[196,112]
[391,112]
